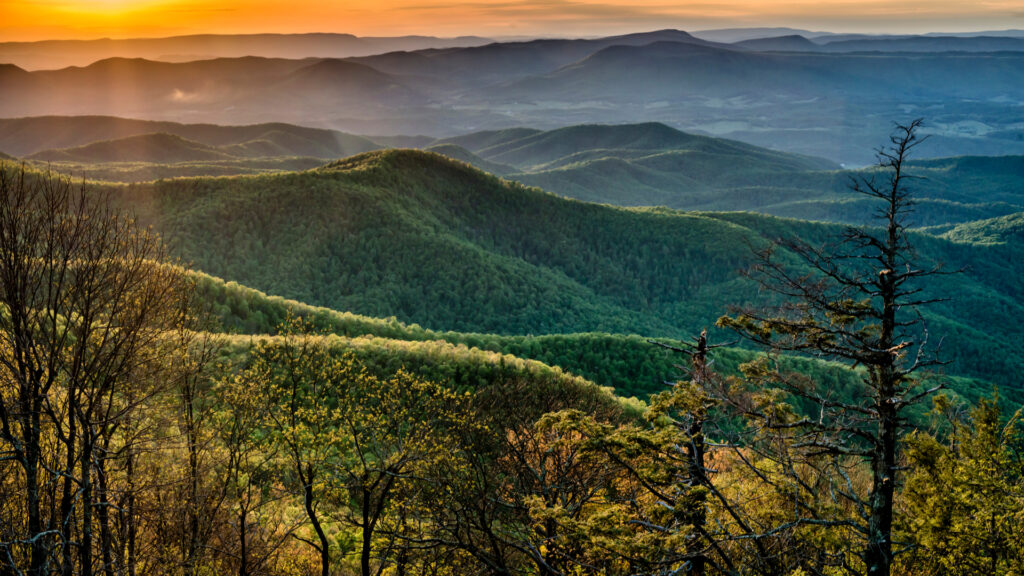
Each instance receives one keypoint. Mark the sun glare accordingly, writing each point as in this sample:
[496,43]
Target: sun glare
[37,19]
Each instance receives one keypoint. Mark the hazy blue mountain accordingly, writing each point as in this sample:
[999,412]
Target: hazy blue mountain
[789,43]
[238,90]
[1013,33]
[798,43]
[833,105]
[663,69]
[456,152]
[482,140]
[26,136]
[53,54]
[925,44]
[482,65]
[733,35]
[159,147]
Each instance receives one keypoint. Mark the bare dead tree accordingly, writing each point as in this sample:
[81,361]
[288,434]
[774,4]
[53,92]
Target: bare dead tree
[855,301]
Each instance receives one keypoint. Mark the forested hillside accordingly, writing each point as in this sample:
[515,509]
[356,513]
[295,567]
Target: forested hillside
[648,164]
[240,432]
[437,243]
[632,365]
[655,165]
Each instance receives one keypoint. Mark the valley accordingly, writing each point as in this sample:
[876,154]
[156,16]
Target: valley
[723,302]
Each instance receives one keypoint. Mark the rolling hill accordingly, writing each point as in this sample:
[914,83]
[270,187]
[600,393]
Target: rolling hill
[533,151]
[1005,230]
[157,148]
[653,164]
[629,364]
[27,136]
[649,164]
[456,152]
[432,241]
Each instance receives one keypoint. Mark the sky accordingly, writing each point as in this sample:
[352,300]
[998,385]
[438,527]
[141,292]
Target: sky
[30,20]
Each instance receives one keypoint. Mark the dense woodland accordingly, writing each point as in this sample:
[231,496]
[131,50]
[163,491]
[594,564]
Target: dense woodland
[159,421]
[434,242]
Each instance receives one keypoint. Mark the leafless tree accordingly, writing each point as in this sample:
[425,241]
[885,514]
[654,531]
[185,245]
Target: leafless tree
[86,297]
[855,301]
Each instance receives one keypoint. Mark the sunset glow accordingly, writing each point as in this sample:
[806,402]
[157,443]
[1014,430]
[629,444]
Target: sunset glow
[26,20]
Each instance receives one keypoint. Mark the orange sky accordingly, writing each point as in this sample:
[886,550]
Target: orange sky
[22,20]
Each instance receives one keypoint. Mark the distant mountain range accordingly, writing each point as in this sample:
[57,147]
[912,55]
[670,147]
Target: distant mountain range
[48,137]
[730,35]
[775,93]
[648,164]
[800,43]
[54,54]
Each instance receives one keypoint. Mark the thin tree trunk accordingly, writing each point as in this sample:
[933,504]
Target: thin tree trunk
[103,512]
[67,499]
[130,513]
[695,452]
[85,546]
[37,560]
[878,553]
[364,556]
[243,565]
[325,552]
[192,554]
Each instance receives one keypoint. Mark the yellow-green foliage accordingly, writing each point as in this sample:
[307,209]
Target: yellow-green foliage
[964,499]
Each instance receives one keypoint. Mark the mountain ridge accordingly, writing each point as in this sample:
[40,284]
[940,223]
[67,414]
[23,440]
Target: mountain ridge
[26,136]
[438,243]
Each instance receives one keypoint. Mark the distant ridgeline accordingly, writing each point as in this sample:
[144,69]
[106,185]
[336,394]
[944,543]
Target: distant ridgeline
[823,96]
[648,164]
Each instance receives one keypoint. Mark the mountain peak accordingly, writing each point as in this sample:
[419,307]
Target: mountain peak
[396,157]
